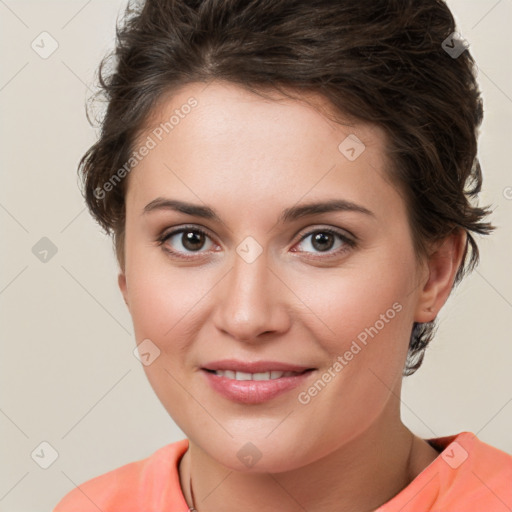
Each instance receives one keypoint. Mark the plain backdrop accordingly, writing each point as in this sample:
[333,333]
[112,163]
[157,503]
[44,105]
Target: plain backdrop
[68,373]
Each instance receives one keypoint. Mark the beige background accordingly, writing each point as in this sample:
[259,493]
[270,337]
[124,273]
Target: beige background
[69,376]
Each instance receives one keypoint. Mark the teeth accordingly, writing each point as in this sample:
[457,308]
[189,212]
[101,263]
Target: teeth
[261,376]
[253,376]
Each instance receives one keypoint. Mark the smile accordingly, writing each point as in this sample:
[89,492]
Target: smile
[229,374]
[254,382]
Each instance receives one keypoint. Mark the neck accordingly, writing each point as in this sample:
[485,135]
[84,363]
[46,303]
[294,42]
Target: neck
[361,475]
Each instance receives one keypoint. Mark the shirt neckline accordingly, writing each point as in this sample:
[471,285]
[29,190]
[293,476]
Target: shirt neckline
[429,477]
[426,477]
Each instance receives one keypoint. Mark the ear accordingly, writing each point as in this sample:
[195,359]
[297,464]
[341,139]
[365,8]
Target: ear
[443,263]
[121,281]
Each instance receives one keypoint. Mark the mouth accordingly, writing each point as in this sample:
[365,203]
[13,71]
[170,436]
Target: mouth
[254,382]
[270,375]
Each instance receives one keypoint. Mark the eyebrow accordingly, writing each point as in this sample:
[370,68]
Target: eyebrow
[288,215]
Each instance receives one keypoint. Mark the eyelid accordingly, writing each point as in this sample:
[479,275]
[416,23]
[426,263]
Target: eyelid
[344,233]
[168,232]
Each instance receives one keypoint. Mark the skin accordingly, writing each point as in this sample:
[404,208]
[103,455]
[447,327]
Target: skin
[249,158]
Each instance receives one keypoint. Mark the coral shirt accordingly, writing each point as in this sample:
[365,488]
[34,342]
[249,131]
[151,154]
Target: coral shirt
[468,476]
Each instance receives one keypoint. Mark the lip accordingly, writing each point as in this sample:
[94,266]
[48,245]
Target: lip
[254,366]
[254,391]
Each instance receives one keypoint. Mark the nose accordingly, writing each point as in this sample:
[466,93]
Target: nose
[251,302]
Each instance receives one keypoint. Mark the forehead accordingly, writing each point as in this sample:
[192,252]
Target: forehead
[219,138]
[220,105]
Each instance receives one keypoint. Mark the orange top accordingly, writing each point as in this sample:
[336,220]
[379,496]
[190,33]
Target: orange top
[468,476]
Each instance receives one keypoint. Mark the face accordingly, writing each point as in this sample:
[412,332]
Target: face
[253,281]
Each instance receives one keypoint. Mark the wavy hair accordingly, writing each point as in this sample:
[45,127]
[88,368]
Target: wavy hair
[380,61]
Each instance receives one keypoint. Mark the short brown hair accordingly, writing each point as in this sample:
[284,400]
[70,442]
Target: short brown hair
[380,61]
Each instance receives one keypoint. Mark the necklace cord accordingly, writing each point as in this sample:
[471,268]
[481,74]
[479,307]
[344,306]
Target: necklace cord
[193,507]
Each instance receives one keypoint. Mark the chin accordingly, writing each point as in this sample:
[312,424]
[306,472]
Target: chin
[277,453]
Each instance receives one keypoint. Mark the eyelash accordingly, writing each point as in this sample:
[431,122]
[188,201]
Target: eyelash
[348,242]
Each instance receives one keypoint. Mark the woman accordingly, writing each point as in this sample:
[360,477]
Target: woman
[241,137]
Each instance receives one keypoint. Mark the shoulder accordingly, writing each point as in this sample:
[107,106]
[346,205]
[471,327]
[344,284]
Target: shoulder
[141,483]
[475,474]
[468,475]
[467,451]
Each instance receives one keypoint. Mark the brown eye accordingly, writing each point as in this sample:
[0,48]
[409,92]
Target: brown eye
[323,241]
[185,240]
[192,240]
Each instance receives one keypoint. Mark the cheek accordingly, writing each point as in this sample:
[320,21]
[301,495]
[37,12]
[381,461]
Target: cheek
[162,302]
[363,304]
[362,321]
[169,304]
